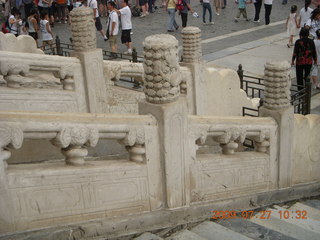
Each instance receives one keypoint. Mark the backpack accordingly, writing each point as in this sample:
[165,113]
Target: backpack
[5,28]
[179,4]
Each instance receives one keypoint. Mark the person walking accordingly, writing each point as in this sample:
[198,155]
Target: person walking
[126,24]
[304,55]
[33,24]
[313,24]
[305,13]
[45,29]
[113,28]
[267,8]
[219,4]
[257,8]
[207,6]
[242,4]
[315,68]
[94,6]
[292,24]
[171,9]
[184,12]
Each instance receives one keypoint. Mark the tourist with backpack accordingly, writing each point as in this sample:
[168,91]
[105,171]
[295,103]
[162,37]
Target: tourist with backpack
[184,7]
[171,9]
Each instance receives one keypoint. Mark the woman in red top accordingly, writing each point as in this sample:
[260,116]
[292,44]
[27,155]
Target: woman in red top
[304,54]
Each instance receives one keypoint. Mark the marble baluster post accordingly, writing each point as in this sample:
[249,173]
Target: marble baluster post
[191,58]
[84,40]
[163,101]
[277,105]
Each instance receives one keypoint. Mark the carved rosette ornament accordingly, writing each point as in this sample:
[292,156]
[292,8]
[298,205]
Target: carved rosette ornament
[83,29]
[10,138]
[74,143]
[277,85]
[191,38]
[161,67]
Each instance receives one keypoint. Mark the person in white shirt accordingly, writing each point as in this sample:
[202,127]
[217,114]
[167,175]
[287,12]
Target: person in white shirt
[314,73]
[267,8]
[113,27]
[305,13]
[313,24]
[94,5]
[14,21]
[45,29]
[125,14]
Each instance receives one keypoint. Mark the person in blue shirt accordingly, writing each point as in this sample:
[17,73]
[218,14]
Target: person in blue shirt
[242,4]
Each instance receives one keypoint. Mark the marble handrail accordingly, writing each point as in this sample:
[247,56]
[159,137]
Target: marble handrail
[73,133]
[13,66]
[229,130]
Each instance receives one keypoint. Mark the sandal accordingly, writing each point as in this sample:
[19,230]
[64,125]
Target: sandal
[288,45]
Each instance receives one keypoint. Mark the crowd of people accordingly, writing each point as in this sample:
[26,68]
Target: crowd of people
[306,53]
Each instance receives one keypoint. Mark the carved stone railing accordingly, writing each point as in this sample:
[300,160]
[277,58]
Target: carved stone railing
[229,132]
[78,190]
[74,138]
[14,66]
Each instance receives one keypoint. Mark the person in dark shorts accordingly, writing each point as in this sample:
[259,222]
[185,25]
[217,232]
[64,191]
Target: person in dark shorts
[143,5]
[94,5]
[125,14]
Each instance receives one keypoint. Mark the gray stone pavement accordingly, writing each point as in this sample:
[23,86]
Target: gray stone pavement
[156,23]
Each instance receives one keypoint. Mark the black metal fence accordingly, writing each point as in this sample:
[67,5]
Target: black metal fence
[254,87]
[65,49]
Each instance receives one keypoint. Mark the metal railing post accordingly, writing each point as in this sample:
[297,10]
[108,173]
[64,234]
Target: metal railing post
[240,74]
[58,45]
[307,99]
[134,55]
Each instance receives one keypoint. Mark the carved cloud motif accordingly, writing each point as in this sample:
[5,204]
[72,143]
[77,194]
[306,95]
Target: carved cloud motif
[77,136]
[11,137]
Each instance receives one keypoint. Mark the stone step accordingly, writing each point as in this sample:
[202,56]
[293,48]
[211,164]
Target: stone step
[312,212]
[253,230]
[185,235]
[308,224]
[148,236]
[213,231]
[314,203]
[286,227]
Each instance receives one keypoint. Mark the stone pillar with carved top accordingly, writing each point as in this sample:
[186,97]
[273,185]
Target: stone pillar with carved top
[163,101]
[191,58]
[11,137]
[84,40]
[277,105]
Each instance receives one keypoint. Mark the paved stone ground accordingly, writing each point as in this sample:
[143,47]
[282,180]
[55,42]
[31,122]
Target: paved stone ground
[156,23]
[289,221]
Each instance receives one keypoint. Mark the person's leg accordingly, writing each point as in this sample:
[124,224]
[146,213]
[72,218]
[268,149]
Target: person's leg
[244,12]
[204,9]
[307,69]
[150,2]
[184,19]
[59,12]
[257,6]
[171,20]
[238,13]
[99,28]
[210,12]
[299,76]
[63,12]
[267,13]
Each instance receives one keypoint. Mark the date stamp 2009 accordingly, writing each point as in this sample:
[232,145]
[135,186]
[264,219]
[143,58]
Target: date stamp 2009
[265,214]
